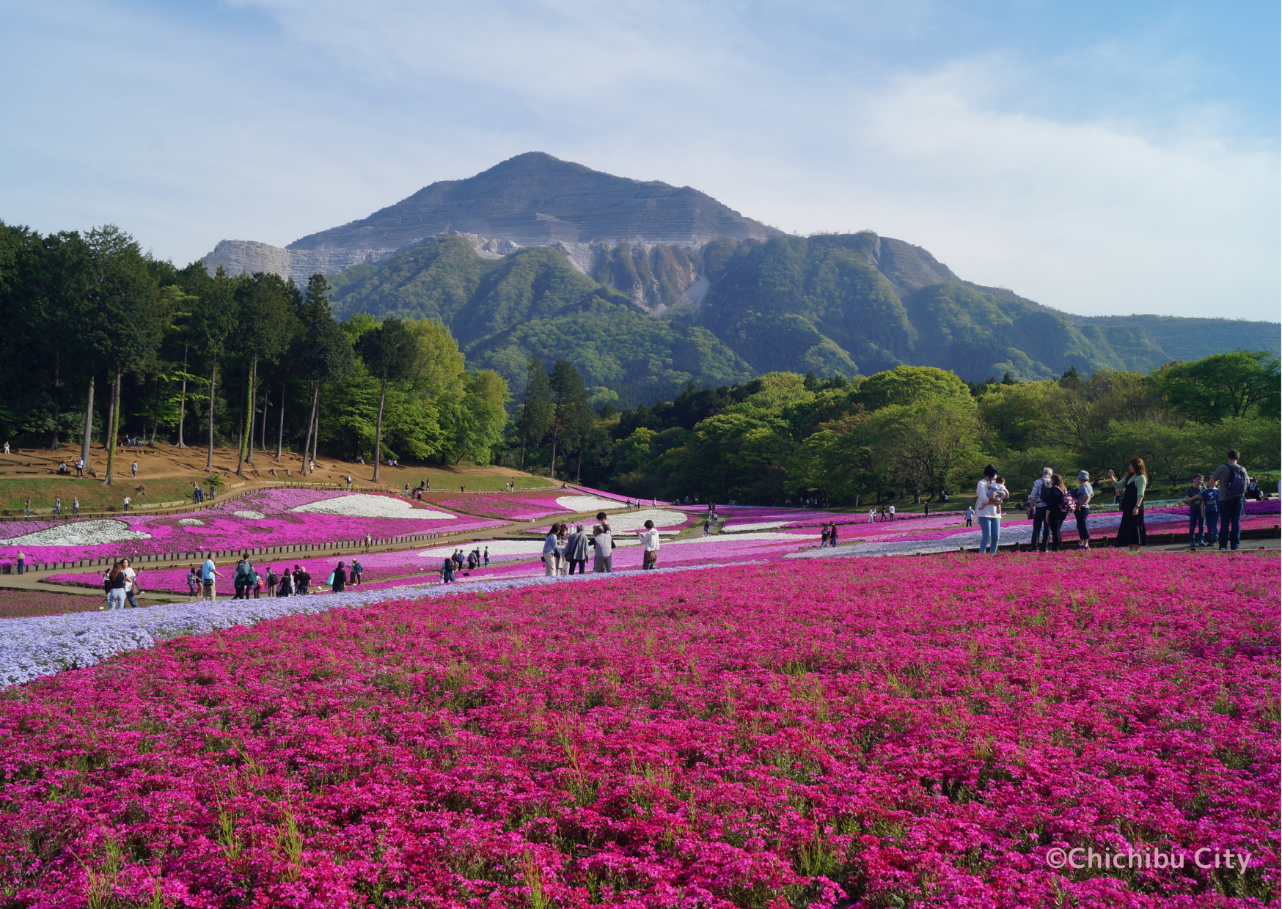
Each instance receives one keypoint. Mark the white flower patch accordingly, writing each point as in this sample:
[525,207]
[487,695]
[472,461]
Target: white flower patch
[367,506]
[798,538]
[250,515]
[192,522]
[499,549]
[80,533]
[732,527]
[585,504]
[635,520]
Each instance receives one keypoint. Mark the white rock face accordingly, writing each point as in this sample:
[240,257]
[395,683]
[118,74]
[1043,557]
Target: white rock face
[236,256]
[367,506]
[80,533]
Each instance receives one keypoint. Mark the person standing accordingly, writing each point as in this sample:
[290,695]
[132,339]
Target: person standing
[1058,505]
[22,562]
[208,574]
[602,545]
[349,482]
[302,581]
[272,581]
[286,586]
[193,584]
[57,505]
[562,538]
[75,506]
[890,513]
[1040,528]
[26,510]
[116,590]
[970,516]
[650,540]
[1231,479]
[576,550]
[447,572]
[80,469]
[823,537]
[134,469]
[131,579]
[244,577]
[1211,510]
[1082,508]
[832,535]
[338,580]
[127,501]
[549,552]
[357,569]
[1130,532]
[1194,499]
[988,502]
[486,557]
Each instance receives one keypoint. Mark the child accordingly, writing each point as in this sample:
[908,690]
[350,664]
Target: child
[193,584]
[999,493]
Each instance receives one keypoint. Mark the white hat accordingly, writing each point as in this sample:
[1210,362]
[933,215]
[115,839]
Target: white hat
[1046,471]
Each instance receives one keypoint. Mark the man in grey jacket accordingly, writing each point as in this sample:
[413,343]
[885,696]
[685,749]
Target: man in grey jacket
[1040,524]
[602,546]
[576,550]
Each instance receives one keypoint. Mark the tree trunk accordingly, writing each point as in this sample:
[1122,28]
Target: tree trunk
[521,466]
[280,434]
[249,425]
[316,434]
[262,442]
[111,415]
[88,437]
[57,388]
[552,468]
[213,381]
[111,430]
[155,414]
[182,401]
[311,421]
[378,432]
[578,470]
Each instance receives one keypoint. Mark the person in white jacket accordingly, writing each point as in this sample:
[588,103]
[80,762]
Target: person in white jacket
[650,539]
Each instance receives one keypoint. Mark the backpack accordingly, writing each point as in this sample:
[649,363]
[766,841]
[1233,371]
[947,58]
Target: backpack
[1236,487]
[243,570]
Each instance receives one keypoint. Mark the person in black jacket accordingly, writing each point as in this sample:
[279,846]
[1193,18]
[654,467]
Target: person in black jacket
[1058,505]
[340,579]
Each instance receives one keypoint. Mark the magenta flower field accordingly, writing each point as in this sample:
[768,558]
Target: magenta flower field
[869,733]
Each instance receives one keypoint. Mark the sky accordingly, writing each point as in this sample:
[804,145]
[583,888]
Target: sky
[1101,158]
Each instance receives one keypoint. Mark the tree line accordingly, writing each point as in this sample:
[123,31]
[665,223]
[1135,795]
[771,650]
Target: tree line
[908,433]
[102,342]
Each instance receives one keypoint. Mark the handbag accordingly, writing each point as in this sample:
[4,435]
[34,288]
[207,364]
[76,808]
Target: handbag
[330,582]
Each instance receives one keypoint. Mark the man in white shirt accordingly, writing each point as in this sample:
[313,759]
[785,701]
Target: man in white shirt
[130,575]
[650,539]
[207,576]
[891,511]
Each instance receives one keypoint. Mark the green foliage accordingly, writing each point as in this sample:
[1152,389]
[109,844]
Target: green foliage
[1223,386]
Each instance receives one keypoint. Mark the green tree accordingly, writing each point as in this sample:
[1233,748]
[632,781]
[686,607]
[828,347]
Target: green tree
[477,420]
[213,316]
[321,350]
[1221,386]
[905,385]
[536,407]
[390,353]
[571,416]
[264,303]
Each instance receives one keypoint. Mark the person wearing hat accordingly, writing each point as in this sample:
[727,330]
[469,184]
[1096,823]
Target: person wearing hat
[1082,508]
[1037,510]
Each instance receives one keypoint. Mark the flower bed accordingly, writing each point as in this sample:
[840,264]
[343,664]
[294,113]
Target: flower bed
[883,735]
[277,517]
[16,604]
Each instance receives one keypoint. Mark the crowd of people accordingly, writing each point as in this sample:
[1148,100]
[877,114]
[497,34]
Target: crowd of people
[565,550]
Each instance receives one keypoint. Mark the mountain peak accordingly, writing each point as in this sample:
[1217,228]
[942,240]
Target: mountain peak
[536,199]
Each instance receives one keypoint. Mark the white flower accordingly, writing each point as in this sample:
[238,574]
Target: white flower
[732,527]
[499,549]
[80,533]
[368,506]
[250,515]
[585,504]
[799,538]
[192,522]
[635,520]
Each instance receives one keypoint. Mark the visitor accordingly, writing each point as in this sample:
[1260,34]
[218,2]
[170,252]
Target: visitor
[1058,505]
[349,482]
[970,516]
[562,540]
[22,562]
[988,508]
[80,469]
[890,513]
[243,579]
[1131,531]
[1194,499]
[127,501]
[650,539]
[208,574]
[26,510]
[131,585]
[872,515]
[1231,479]
[116,590]
[576,550]
[1253,490]
[134,468]
[407,490]
[6,447]
[458,559]
[57,505]
[357,569]
[927,510]
[473,559]
[707,525]
[285,586]
[272,582]
[75,506]
[447,572]
[823,537]
[1037,511]
[832,535]
[486,557]
[1211,509]
[193,584]
[1082,508]
[602,546]
[302,581]
[338,580]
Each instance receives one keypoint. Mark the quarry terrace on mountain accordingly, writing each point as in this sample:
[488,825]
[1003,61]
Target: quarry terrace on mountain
[647,287]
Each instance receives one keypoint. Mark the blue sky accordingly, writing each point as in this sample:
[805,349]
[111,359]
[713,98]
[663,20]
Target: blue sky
[1100,158]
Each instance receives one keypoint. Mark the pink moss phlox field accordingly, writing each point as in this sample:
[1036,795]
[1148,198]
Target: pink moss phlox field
[220,528]
[890,732]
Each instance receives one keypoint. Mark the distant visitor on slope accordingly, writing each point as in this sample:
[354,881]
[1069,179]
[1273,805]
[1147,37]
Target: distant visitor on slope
[649,537]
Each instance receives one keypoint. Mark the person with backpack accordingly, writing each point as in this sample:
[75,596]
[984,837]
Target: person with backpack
[1082,508]
[1131,531]
[1058,506]
[1231,479]
[243,579]
[272,581]
[447,571]
[193,584]
[1037,511]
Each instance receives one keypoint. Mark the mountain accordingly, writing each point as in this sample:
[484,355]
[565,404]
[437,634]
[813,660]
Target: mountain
[646,286]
